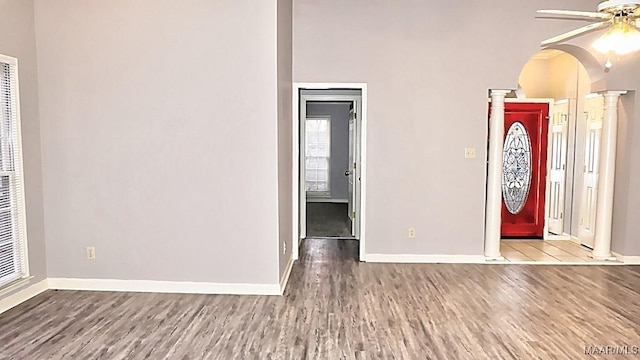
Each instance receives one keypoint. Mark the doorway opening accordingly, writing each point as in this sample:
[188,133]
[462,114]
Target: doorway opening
[329,143]
[550,153]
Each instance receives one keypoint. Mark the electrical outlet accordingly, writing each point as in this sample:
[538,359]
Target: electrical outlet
[91,253]
[284,248]
[412,233]
[470,153]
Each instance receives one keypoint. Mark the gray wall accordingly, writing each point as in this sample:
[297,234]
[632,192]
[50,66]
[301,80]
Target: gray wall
[339,114]
[285,157]
[160,138]
[427,101]
[18,40]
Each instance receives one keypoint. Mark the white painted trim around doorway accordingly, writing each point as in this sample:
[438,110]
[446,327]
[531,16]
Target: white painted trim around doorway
[295,118]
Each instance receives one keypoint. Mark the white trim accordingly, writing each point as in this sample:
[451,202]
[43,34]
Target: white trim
[16,284]
[311,199]
[177,287]
[472,259]
[572,238]
[363,170]
[9,60]
[627,260]
[295,172]
[19,168]
[425,259]
[295,118]
[285,276]
[23,295]
[555,263]
[552,237]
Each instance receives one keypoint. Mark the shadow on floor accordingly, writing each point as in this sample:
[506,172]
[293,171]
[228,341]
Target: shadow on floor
[328,220]
[337,251]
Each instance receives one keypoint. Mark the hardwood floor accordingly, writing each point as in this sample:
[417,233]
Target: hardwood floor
[553,251]
[328,220]
[337,308]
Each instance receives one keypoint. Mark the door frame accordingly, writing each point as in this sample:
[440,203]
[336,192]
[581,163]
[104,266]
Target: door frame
[361,131]
[550,102]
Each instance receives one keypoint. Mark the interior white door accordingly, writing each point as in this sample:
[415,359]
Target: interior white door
[594,111]
[558,133]
[351,172]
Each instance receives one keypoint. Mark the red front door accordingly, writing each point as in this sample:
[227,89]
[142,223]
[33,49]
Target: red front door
[524,169]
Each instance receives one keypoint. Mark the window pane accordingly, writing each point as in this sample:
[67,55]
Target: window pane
[312,175]
[317,152]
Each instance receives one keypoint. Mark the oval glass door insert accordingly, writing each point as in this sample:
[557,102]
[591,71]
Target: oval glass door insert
[516,171]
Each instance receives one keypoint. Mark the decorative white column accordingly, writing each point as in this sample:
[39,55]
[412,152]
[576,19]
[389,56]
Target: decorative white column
[494,176]
[606,176]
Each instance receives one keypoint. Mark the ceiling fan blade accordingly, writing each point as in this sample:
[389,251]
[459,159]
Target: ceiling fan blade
[560,17]
[588,14]
[574,33]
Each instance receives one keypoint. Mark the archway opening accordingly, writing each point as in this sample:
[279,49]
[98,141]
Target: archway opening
[558,80]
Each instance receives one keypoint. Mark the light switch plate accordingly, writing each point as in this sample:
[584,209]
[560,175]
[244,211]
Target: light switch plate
[470,153]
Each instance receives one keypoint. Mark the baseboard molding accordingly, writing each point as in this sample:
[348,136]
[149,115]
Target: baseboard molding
[558,237]
[425,259]
[178,287]
[325,200]
[23,295]
[627,260]
[572,238]
[285,276]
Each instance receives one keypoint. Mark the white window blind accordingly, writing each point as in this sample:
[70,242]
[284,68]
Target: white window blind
[317,155]
[13,257]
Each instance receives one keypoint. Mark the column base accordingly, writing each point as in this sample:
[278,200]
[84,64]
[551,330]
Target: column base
[494,258]
[603,258]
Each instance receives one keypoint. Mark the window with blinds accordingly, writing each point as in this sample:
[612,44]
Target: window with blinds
[13,257]
[317,156]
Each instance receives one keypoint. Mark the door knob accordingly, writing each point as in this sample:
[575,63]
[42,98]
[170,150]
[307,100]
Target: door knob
[347,173]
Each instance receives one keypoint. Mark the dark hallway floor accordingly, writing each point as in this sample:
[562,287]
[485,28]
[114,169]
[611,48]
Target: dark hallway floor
[338,308]
[328,220]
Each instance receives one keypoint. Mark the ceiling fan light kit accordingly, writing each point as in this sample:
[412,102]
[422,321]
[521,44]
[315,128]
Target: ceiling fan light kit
[622,39]
[621,17]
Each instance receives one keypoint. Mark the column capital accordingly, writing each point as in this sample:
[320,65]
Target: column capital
[499,92]
[614,93]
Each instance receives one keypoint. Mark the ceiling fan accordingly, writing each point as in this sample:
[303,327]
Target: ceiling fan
[622,17]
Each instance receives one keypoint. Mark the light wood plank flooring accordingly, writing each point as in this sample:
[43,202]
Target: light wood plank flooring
[552,251]
[338,308]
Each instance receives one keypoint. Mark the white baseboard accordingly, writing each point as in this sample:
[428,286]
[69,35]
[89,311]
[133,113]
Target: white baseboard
[178,287]
[327,200]
[572,238]
[425,259]
[285,276]
[23,295]
[552,237]
[627,260]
